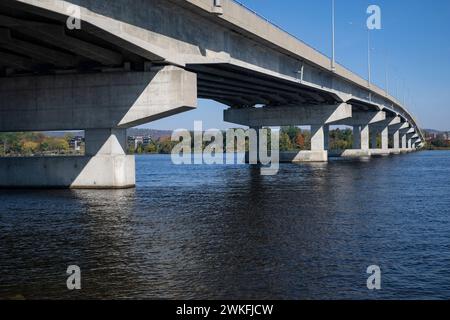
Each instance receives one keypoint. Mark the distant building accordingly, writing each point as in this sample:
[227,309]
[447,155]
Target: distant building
[136,141]
[139,140]
[447,136]
[75,143]
[146,141]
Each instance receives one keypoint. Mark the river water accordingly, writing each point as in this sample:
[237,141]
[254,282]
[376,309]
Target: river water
[226,232]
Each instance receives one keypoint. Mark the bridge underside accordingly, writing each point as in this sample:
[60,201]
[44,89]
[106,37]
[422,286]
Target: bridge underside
[34,42]
[111,75]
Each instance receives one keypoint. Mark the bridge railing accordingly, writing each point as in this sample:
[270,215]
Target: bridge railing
[274,24]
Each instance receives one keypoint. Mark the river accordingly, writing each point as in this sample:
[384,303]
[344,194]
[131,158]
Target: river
[226,232]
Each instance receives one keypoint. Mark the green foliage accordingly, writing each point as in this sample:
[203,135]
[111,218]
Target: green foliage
[165,145]
[151,148]
[291,139]
[30,143]
[341,139]
[438,143]
[285,142]
[294,139]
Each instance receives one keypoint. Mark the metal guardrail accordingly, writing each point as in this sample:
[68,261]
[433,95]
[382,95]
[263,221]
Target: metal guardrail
[278,26]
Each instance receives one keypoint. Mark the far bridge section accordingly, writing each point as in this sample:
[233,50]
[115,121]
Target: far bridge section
[133,62]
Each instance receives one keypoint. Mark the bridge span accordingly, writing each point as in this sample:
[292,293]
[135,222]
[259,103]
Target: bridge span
[133,62]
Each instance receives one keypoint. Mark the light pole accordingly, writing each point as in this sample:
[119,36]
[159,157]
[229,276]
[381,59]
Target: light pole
[333,57]
[369,67]
[386,74]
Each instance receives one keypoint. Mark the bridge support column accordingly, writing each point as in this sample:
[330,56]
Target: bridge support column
[319,143]
[385,139]
[384,150]
[396,142]
[104,105]
[319,147]
[258,139]
[108,166]
[360,142]
[404,143]
[374,140]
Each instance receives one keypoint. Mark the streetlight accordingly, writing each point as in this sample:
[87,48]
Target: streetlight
[369,67]
[386,72]
[333,57]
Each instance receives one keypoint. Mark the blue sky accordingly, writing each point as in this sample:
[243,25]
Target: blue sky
[413,47]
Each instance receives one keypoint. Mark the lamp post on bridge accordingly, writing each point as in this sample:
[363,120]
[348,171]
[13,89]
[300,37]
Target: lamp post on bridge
[369,66]
[373,22]
[333,57]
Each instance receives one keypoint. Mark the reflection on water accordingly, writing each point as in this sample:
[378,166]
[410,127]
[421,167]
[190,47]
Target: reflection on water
[223,232]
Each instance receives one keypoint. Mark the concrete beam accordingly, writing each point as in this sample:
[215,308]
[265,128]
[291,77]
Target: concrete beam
[95,101]
[272,96]
[398,127]
[37,52]
[287,116]
[407,131]
[389,121]
[238,78]
[283,97]
[15,61]
[56,36]
[359,118]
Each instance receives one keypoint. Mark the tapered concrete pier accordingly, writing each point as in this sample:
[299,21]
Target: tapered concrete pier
[104,105]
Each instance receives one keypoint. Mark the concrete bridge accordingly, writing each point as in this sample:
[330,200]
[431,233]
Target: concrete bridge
[133,62]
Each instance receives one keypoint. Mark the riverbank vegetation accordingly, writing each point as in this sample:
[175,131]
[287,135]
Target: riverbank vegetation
[33,144]
[291,139]
[437,144]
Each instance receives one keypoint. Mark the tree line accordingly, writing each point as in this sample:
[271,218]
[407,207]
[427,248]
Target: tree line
[438,143]
[33,143]
[291,139]
[294,139]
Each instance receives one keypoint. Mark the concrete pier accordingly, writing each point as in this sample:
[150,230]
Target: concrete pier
[104,105]
[319,146]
